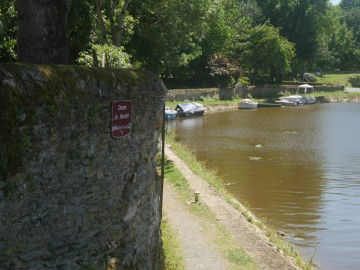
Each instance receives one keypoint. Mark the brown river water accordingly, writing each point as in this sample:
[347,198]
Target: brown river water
[296,167]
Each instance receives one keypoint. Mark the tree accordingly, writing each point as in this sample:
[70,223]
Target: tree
[8,25]
[110,17]
[80,29]
[168,35]
[226,73]
[336,42]
[42,35]
[111,28]
[298,21]
[351,16]
[266,55]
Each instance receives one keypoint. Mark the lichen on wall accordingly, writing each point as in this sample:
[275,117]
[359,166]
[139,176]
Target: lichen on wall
[72,196]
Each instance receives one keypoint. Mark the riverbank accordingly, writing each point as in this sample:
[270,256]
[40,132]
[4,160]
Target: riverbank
[241,226]
[216,105]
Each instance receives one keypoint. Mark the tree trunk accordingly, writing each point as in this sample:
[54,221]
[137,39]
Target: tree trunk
[42,35]
[117,26]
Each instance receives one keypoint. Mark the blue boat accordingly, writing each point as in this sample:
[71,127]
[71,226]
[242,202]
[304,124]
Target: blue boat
[190,109]
[170,113]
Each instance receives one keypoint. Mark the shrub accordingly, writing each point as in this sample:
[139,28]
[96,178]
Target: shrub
[354,81]
[223,70]
[310,77]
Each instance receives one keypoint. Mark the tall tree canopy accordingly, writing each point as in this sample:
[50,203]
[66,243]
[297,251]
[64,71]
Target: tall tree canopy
[298,21]
[8,31]
[351,16]
[178,38]
[266,54]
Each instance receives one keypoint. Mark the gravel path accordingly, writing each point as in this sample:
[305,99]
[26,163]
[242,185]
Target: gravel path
[248,235]
[199,251]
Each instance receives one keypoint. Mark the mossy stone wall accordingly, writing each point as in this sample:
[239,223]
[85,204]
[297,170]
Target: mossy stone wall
[191,94]
[71,196]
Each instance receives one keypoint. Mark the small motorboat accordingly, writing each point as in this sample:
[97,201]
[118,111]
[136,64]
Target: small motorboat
[190,109]
[295,100]
[289,102]
[170,113]
[247,104]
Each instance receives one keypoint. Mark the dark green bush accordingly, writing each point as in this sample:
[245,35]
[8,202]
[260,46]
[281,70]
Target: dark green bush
[354,81]
[310,77]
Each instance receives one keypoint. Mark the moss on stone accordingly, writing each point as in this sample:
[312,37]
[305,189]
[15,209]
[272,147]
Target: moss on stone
[26,87]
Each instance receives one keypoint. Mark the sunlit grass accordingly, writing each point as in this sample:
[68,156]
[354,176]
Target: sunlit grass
[335,78]
[173,255]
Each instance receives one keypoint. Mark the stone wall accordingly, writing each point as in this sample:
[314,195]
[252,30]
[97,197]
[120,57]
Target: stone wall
[191,94]
[271,91]
[71,196]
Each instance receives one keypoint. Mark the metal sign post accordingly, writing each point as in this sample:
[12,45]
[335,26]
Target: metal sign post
[162,158]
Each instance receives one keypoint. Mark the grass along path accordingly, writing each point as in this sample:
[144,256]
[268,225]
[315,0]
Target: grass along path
[198,249]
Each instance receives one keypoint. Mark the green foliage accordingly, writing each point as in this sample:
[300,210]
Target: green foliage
[339,78]
[80,25]
[310,77]
[299,22]
[174,38]
[167,37]
[336,43]
[351,16]
[223,70]
[107,55]
[266,54]
[8,30]
[354,81]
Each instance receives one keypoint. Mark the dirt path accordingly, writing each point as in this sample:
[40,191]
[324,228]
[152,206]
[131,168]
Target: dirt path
[199,252]
[248,235]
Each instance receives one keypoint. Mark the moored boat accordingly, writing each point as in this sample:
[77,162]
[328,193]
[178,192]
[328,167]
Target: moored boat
[298,99]
[190,109]
[170,113]
[247,104]
[289,102]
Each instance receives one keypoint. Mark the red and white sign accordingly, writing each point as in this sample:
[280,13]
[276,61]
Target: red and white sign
[121,118]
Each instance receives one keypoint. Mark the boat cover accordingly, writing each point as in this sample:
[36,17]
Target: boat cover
[186,107]
[305,86]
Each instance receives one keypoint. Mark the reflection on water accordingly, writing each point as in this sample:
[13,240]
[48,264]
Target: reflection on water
[295,166]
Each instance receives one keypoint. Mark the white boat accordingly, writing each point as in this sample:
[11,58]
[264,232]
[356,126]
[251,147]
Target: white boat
[298,99]
[170,113]
[247,104]
[291,102]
